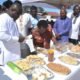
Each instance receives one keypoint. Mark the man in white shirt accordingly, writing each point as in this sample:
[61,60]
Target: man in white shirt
[9,35]
[34,16]
[24,24]
[75,25]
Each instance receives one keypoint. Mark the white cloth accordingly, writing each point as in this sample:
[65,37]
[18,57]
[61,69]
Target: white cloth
[75,27]
[24,23]
[29,42]
[9,36]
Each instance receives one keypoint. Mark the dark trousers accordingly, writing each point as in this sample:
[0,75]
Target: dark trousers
[74,41]
[25,51]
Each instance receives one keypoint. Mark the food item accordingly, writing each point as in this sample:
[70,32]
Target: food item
[68,59]
[59,68]
[41,73]
[34,59]
[41,76]
[29,62]
[23,64]
[42,50]
[75,49]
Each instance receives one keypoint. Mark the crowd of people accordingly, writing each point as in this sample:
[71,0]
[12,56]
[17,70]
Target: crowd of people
[21,32]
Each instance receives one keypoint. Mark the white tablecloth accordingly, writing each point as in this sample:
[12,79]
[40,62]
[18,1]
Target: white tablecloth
[7,74]
[75,69]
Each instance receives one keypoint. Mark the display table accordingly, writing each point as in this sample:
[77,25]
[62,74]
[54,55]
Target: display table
[7,74]
[75,69]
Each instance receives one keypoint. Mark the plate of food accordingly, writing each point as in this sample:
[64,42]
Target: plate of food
[35,60]
[59,68]
[68,60]
[29,62]
[41,73]
[23,64]
[75,49]
[62,47]
[42,50]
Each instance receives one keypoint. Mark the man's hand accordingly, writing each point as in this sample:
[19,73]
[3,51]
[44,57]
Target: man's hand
[57,36]
[54,39]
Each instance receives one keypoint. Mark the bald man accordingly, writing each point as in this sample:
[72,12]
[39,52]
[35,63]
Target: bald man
[9,35]
[62,27]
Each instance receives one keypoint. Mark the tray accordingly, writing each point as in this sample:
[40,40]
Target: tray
[67,59]
[42,73]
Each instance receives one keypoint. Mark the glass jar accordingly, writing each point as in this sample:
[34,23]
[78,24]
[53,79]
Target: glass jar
[50,55]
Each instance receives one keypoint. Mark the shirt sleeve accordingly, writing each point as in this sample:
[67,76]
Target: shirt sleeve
[67,29]
[4,35]
[55,27]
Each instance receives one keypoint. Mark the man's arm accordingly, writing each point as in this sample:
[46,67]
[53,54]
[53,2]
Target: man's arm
[55,29]
[6,37]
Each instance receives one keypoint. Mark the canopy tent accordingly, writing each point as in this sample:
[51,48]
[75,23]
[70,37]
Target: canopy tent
[40,4]
[28,1]
[54,2]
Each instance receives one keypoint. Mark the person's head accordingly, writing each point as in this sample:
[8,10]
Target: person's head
[7,4]
[76,10]
[42,26]
[18,2]
[15,10]
[33,11]
[63,13]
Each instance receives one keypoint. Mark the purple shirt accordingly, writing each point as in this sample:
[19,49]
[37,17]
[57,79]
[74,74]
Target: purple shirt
[63,27]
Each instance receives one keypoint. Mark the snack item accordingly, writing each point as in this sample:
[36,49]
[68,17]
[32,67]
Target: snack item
[59,68]
[42,50]
[41,73]
[34,59]
[68,59]
[29,62]
[23,64]
[75,49]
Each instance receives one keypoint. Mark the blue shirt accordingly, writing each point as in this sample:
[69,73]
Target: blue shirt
[63,27]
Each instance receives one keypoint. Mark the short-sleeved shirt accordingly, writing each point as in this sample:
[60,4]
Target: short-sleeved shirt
[42,40]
